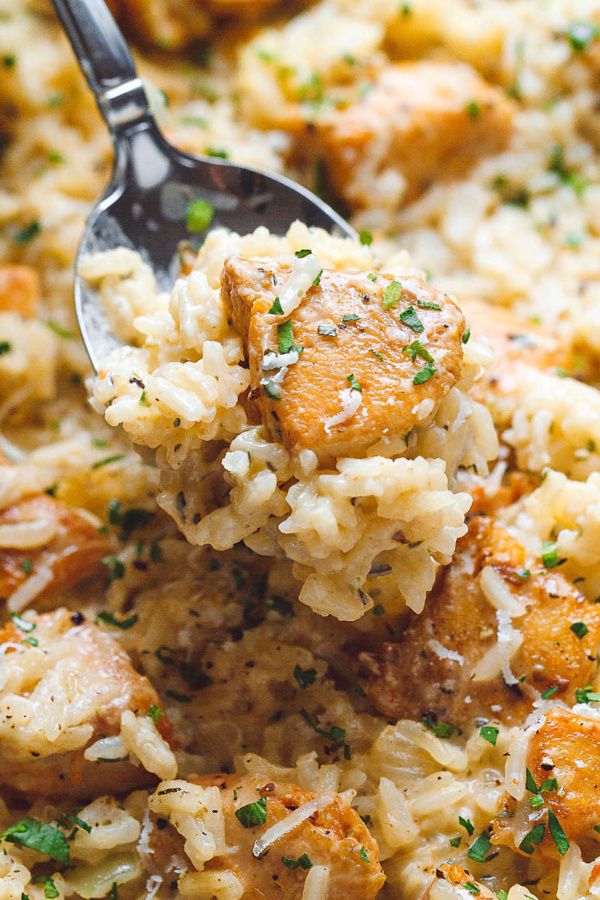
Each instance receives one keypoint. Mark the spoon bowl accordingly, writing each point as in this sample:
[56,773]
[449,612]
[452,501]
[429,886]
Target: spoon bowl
[153,184]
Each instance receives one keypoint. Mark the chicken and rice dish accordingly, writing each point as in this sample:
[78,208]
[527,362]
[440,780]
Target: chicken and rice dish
[300,589]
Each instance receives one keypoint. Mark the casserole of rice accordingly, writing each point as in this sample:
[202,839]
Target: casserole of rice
[300,588]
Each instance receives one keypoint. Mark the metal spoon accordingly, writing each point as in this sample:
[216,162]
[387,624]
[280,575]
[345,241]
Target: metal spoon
[153,183]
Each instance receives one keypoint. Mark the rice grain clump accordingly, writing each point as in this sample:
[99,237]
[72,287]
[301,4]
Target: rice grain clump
[347,472]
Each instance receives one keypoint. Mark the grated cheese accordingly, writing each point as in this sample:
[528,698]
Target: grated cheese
[284,826]
[351,401]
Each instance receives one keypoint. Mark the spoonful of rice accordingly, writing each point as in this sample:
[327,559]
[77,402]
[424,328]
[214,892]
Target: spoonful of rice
[159,196]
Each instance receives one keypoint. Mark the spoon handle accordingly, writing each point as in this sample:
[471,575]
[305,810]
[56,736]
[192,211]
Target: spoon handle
[105,60]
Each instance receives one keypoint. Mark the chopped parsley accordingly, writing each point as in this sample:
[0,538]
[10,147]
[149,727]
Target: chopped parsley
[336,735]
[427,304]
[217,152]
[253,814]
[490,734]
[23,624]
[579,629]
[417,349]
[364,855]
[533,838]
[40,836]
[327,330]
[354,384]
[199,215]
[9,61]
[155,713]
[473,109]
[557,833]
[305,677]
[366,238]
[351,317]
[549,554]
[392,294]
[5,347]
[480,848]
[570,178]
[409,317]
[550,692]
[27,566]
[303,862]
[271,388]
[276,309]
[587,695]
[581,34]
[116,568]
[108,460]
[59,329]
[441,730]
[376,354]
[371,276]
[501,895]
[124,624]
[302,253]
[285,335]
[424,374]
[466,336]
[27,234]
[455,841]
[471,887]
[50,889]
[467,825]
[317,280]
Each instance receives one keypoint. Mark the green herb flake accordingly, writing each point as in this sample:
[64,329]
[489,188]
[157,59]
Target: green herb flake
[276,309]
[424,374]
[317,281]
[253,814]
[364,855]
[455,841]
[114,892]
[110,619]
[536,801]
[27,234]
[376,354]
[302,253]
[59,330]
[50,889]
[5,347]
[354,384]
[471,887]
[303,862]
[335,734]
[467,825]
[480,848]
[550,692]
[587,695]
[490,734]
[392,294]
[417,349]
[530,782]
[23,624]
[143,401]
[501,895]
[366,238]
[99,464]
[271,388]
[579,629]
[217,153]
[466,336]
[549,554]
[372,277]
[305,677]
[40,836]
[533,838]
[27,566]
[581,34]
[442,730]
[199,215]
[327,330]
[351,317]
[557,833]
[285,335]
[410,318]
[427,304]
[9,61]
[473,109]
[155,713]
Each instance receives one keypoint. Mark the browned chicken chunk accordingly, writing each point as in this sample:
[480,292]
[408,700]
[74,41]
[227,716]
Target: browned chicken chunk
[396,343]
[72,550]
[513,340]
[434,669]
[65,685]
[565,747]
[19,290]
[420,120]
[331,834]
